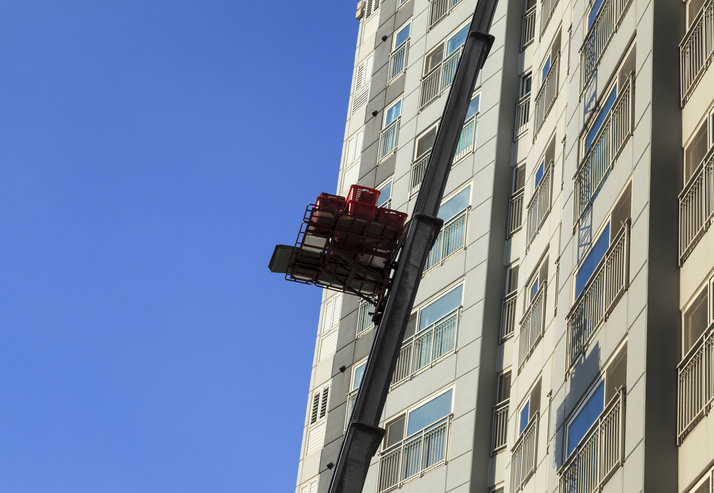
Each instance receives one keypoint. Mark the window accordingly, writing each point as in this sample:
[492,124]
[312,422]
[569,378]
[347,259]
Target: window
[468,132]
[519,178]
[695,321]
[402,35]
[693,9]
[364,317]
[545,68]
[357,373]
[400,47]
[425,142]
[525,84]
[385,194]
[371,6]
[330,322]
[418,418]
[452,236]
[353,148]
[318,409]
[393,112]
[310,486]
[363,76]
[504,386]
[445,49]
[537,280]
[512,279]
[390,129]
[602,115]
[594,11]
[529,408]
[593,404]
[440,66]
[699,147]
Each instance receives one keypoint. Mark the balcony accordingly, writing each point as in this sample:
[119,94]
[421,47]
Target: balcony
[696,50]
[599,36]
[523,115]
[528,29]
[451,239]
[398,61]
[600,453]
[604,150]
[439,10]
[539,205]
[523,459]
[601,293]
[388,139]
[439,78]
[696,207]
[508,316]
[547,93]
[532,325]
[548,6]
[695,384]
[427,346]
[499,427]
[414,455]
[515,213]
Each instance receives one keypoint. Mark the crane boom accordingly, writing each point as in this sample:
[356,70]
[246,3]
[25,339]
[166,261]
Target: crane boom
[363,434]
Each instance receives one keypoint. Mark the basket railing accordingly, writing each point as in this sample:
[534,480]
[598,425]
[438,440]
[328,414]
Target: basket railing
[350,404]
[696,206]
[414,455]
[539,205]
[515,212]
[417,172]
[508,316]
[398,60]
[532,325]
[523,115]
[499,427]
[364,319]
[523,455]
[439,78]
[547,8]
[451,239]
[439,10]
[388,139]
[695,384]
[696,50]
[547,94]
[466,139]
[599,453]
[599,296]
[528,28]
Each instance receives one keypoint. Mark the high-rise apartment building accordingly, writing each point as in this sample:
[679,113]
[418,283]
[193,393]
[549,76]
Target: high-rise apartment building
[562,339]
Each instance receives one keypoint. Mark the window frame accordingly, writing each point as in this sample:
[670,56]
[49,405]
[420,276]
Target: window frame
[435,127]
[387,108]
[389,182]
[527,404]
[355,366]
[442,47]
[526,76]
[405,414]
[396,33]
[426,304]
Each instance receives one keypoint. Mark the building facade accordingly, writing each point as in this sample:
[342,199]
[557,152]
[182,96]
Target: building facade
[562,339]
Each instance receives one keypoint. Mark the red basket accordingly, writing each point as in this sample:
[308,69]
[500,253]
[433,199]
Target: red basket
[366,195]
[391,217]
[361,210]
[333,203]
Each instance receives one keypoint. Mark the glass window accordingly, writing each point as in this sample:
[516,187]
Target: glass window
[393,112]
[385,194]
[600,118]
[433,59]
[425,142]
[593,12]
[534,289]
[456,204]
[444,305]
[586,417]
[395,431]
[546,68]
[539,173]
[402,35]
[359,372]
[429,413]
[504,386]
[457,40]
[473,107]
[523,418]
[597,252]
[526,84]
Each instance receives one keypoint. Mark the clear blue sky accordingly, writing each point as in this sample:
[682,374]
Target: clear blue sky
[152,152]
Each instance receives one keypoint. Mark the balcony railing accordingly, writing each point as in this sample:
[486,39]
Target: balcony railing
[417,173]
[466,139]
[515,212]
[351,398]
[388,139]
[528,29]
[523,459]
[600,453]
[451,239]
[539,204]
[523,115]
[548,6]
[532,325]
[604,150]
[439,78]
[696,50]
[364,319]
[439,10]
[547,93]
[414,455]
[599,35]
[427,346]
[499,427]
[696,206]
[398,60]
[601,293]
[695,384]
[508,316]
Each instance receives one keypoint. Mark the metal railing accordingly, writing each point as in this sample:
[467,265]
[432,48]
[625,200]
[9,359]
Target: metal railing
[351,398]
[532,325]
[604,150]
[523,458]
[451,239]
[695,384]
[601,293]
[598,37]
[417,173]
[523,115]
[696,206]
[600,452]
[539,205]
[499,427]
[439,78]
[388,139]
[696,50]
[364,319]
[546,12]
[439,10]
[427,346]
[508,316]
[467,138]
[398,60]
[547,94]
[515,212]
[414,455]
[528,28]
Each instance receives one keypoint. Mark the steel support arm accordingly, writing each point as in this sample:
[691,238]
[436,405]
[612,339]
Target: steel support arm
[363,434]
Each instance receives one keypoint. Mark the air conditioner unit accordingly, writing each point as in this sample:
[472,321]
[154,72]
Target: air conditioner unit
[360,10]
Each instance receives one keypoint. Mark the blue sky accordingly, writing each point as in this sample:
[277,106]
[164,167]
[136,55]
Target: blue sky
[152,152]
